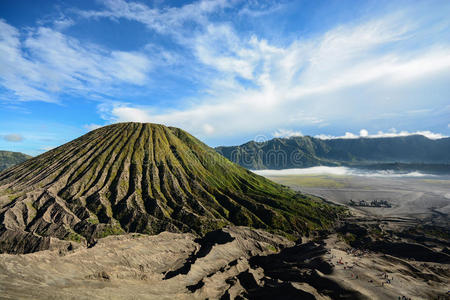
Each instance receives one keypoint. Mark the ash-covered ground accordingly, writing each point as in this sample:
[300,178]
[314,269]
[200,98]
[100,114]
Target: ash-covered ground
[414,195]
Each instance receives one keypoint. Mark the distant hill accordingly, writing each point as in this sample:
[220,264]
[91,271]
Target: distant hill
[301,152]
[9,159]
[147,178]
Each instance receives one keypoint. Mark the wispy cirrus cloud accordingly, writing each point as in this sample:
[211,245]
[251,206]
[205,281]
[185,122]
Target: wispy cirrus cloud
[286,133]
[43,63]
[241,82]
[13,137]
[164,20]
[253,84]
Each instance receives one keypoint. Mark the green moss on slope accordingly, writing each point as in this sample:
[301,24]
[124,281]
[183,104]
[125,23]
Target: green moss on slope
[149,178]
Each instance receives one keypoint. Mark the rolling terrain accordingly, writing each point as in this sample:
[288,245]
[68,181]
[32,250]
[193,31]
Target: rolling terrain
[229,263]
[146,178]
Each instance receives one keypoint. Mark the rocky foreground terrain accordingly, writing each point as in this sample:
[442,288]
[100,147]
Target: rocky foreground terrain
[144,211]
[231,263]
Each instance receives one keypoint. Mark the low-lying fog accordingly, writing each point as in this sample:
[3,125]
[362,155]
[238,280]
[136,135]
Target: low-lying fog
[414,194]
[322,170]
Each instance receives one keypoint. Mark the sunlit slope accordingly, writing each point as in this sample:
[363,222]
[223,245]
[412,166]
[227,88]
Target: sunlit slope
[148,178]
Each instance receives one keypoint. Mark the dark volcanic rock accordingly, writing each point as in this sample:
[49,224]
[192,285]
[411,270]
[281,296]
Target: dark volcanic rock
[299,264]
[409,250]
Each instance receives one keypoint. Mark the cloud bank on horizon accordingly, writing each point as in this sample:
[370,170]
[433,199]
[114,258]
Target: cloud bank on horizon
[227,70]
[339,171]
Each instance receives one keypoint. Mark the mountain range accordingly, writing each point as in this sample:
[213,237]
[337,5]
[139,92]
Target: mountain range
[9,159]
[305,151]
[407,153]
[146,178]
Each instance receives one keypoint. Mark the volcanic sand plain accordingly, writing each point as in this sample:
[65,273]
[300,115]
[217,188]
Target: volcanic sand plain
[424,198]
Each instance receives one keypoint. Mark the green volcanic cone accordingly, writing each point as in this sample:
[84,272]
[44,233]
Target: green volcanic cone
[147,178]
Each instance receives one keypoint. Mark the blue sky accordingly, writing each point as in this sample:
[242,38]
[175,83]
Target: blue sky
[226,71]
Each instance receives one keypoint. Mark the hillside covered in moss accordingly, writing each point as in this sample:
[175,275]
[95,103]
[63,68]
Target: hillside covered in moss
[9,159]
[146,178]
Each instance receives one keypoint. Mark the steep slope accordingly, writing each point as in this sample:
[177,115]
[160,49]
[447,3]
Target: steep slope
[9,159]
[300,152]
[148,178]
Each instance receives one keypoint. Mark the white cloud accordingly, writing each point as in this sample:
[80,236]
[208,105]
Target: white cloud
[253,85]
[426,133]
[208,129]
[163,20]
[245,83]
[347,135]
[47,62]
[46,148]
[13,137]
[257,9]
[380,134]
[92,126]
[62,23]
[129,114]
[286,133]
[363,133]
[338,171]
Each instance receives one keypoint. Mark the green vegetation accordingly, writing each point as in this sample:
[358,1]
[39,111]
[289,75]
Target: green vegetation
[347,237]
[308,181]
[415,152]
[271,248]
[430,231]
[110,230]
[93,220]
[9,159]
[148,178]
[75,237]
[13,196]
[31,210]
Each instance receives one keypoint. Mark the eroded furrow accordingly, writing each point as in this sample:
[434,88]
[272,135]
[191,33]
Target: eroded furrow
[61,156]
[80,178]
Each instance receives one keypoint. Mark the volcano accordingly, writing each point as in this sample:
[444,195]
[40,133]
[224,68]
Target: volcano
[144,178]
